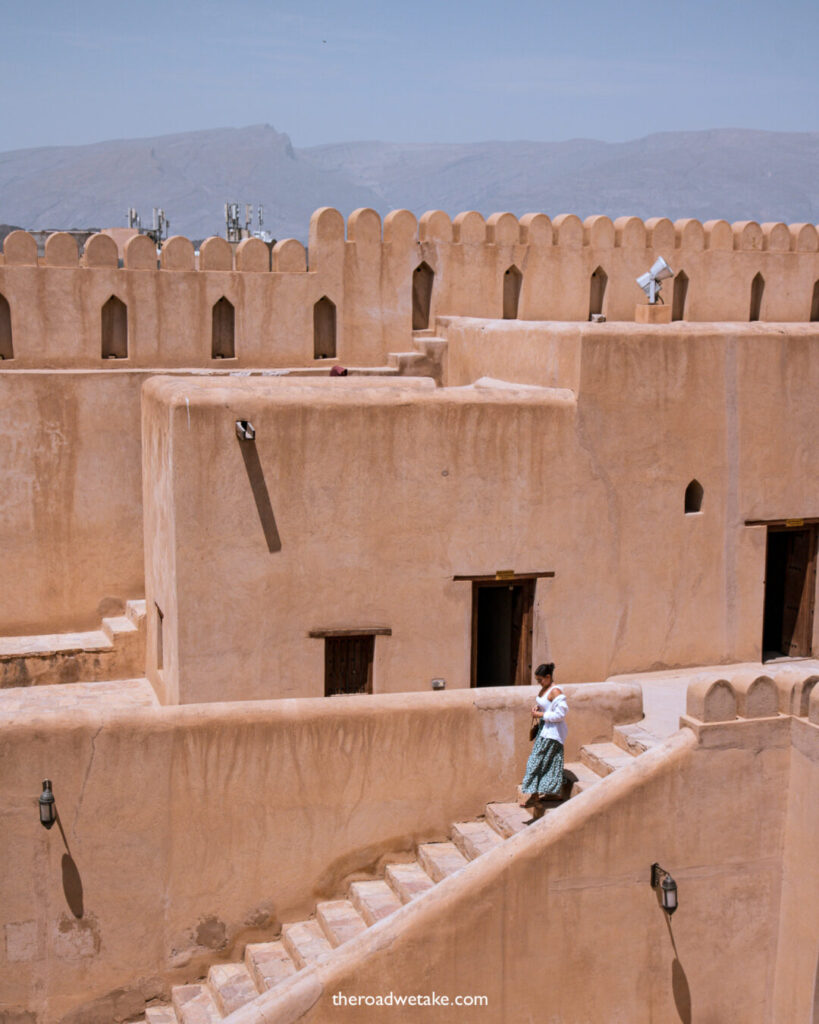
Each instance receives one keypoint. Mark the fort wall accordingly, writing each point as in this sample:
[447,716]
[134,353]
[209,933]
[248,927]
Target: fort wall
[187,832]
[366,270]
[385,505]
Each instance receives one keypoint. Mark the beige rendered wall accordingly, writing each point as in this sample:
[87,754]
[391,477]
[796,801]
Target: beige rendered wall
[365,268]
[381,498]
[190,831]
[561,924]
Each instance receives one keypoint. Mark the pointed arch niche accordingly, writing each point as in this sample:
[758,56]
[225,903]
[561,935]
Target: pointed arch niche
[6,347]
[114,323]
[597,291]
[223,318]
[512,282]
[422,279]
[694,494]
[324,329]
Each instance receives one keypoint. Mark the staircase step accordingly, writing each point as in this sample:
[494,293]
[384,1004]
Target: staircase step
[604,758]
[507,819]
[373,900]
[585,776]
[194,1005]
[135,610]
[474,838]
[305,942]
[232,986]
[268,963]
[635,739]
[161,1015]
[440,860]
[116,625]
[408,880]
[340,921]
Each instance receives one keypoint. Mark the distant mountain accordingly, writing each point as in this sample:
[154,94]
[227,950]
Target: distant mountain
[735,174]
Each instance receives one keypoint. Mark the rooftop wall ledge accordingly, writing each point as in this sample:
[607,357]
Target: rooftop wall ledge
[756,695]
[598,232]
[253,256]
[805,238]
[19,250]
[689,234]
[800,694]
[215,253]
[813,706]
[400,228]
[718,235]
[435,226]
[469,228]
[629,233]
[139,253]
[289,256]
[177,253]
[364,227]
[748,235]
[326,225]
[711,700]
[536,230]
[776,236]
[100,251]
[502,229]
[61,250]
[568,231]
[660,235]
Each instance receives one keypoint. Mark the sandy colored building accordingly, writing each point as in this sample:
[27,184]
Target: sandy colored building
[270,632]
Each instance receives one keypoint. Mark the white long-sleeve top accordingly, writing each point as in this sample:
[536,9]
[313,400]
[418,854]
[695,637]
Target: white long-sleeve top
[554,716]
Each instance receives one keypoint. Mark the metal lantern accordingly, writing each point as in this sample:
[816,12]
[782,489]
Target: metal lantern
[668,888]
[48,812]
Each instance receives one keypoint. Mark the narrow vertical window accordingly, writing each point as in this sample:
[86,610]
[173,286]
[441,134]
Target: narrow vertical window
[512,281]
[114,329]
[680,295]
[814,304]
[757,288]
[222,330]
[422,278]
[324,329]
[6,348]
[160,643]
[597,291]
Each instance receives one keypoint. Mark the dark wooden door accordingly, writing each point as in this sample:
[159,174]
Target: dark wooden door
[348,664]
[502,632]
[800,586]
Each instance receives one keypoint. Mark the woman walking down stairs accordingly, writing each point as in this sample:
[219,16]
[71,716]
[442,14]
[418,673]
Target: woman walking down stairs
[301,944]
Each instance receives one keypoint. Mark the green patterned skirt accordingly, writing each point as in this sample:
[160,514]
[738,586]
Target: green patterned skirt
[544,769]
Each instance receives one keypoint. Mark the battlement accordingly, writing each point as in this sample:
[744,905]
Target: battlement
[361,287]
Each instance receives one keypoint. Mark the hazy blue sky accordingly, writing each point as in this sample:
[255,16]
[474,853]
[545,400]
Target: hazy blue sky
[416,71]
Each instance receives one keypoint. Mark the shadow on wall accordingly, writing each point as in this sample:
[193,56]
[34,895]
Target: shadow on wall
[679,982]
[72,883]
[255,475]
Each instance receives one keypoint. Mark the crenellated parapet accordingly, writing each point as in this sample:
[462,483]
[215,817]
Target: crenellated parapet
[750,694]
[363,285]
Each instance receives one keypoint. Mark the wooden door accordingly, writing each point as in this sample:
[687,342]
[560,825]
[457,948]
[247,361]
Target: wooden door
[502,614]
[348,664]
[800,588]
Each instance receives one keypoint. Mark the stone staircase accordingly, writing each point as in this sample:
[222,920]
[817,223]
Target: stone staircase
[425,359]
[115,651]
[229,986]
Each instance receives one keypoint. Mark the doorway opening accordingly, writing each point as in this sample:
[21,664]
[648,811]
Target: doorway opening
[422,279]
[502,614]
[790,588]
[348,664]
[512,281]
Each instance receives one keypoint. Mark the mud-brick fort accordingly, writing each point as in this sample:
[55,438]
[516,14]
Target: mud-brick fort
[269,628]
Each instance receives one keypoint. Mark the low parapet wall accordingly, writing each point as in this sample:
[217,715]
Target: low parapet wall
[189,831]
[533,268]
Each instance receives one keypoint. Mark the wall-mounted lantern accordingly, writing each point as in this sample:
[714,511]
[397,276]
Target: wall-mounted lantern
[245,430]
[668,888]
[48,812]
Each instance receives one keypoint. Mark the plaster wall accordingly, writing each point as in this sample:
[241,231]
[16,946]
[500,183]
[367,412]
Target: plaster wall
[561,924]
[190,831]
[365,268]
[380,498]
